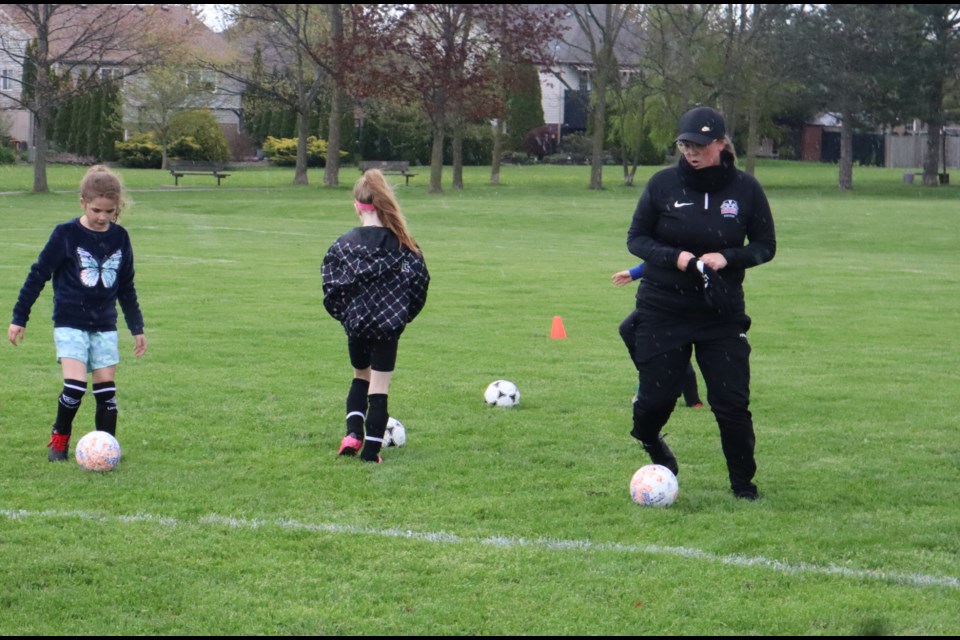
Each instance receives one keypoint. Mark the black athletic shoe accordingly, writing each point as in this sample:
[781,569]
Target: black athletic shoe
[660,454]
[750,494]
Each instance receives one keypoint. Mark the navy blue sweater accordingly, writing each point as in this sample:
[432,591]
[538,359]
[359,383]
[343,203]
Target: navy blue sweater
[91,271]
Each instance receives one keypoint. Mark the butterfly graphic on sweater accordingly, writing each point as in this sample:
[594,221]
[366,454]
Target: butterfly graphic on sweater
[92,270]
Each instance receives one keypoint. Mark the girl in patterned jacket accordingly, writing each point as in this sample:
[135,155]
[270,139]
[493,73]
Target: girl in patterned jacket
[374,283]
[90,260]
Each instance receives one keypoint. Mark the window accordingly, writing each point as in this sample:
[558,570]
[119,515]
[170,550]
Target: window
[113,74]
[7,79]
[205,79]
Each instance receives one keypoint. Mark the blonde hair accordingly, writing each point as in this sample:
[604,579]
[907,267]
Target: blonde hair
[372,188]
[728,146]
[101,182]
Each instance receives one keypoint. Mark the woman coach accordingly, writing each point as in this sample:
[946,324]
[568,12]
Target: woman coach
[698,226]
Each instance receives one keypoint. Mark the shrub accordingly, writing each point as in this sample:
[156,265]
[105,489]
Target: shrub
[7,156]
[186,148]
[140,152]
[203,128]
[283,151]
[517,157]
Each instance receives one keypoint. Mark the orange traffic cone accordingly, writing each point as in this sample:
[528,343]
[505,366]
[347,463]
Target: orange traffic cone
[557,330]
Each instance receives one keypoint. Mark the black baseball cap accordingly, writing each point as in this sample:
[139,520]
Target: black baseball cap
[701,126]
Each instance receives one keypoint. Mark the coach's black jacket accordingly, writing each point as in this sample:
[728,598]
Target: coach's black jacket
[711,210]
[372,284]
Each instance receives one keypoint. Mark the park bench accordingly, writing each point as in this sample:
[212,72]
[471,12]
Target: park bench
[389,167]
[180,168]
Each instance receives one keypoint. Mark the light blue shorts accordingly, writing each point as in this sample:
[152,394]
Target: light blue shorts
[96,349]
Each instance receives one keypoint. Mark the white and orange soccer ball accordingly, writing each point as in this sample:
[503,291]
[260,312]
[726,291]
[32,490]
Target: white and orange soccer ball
[654,486]
[98,451]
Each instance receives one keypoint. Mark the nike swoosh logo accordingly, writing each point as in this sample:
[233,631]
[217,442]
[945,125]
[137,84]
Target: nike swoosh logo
[677,205]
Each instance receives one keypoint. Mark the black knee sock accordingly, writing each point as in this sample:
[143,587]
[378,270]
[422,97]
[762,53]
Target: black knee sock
[357,406]
[106,396]
[377,417]
[68,405]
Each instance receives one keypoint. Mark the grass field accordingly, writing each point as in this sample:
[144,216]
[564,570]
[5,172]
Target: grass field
[232,514]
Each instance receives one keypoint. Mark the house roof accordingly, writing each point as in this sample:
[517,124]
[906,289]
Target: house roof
[574,46]
[114,34]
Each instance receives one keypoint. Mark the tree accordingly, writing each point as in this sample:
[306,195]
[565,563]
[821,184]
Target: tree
[72,36]
[111,129]
[313,48]
[630,129]
[451,61]
[522,35]
[679,65]
[937,56]
[600,27]
[524,104]
[854,57]
[154,99]
[444,59]
[752,75]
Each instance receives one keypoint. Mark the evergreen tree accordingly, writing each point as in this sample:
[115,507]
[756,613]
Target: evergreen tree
[94,121]
[29,77]
[79,119]
[111,128]
[524,105]
[64,121]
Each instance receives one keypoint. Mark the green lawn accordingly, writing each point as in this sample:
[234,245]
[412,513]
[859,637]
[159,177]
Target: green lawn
[232,514]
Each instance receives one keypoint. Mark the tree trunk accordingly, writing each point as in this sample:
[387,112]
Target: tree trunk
[331,173]
[497,152]
[598,137]
[303,118]
[753,137]
[931,156]
[846,153]
[40,150]
[457,152]
[436,162]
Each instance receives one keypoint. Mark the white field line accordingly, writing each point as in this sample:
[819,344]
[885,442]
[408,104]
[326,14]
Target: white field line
[799,569]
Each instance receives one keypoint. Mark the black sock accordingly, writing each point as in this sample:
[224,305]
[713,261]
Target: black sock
[377,417]
[357,406]
[106,396]
[68,405]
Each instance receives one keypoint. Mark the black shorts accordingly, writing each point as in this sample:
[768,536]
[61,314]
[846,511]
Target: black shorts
[380,355]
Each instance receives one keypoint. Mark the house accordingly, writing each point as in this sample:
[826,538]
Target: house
[566,87]
[173,29]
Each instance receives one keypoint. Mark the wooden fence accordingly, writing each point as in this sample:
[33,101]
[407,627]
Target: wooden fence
[907,152]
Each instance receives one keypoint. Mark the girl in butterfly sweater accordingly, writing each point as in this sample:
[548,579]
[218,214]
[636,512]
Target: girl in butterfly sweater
[90,261]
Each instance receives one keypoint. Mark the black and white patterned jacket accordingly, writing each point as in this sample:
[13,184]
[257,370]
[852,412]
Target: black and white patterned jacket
[372,284]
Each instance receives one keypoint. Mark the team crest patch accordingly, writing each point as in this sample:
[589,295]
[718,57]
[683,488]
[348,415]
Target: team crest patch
[729,209]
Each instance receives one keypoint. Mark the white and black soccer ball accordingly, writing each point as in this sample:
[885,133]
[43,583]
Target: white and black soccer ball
[98,451]
[502,393]
[395,435]
[654,486]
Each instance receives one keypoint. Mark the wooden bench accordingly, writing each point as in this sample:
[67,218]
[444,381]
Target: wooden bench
[180,168]
[389,167]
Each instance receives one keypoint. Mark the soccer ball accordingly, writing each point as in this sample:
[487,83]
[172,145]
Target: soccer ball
[396,434]
[98,451]
[654,486]
[502,393]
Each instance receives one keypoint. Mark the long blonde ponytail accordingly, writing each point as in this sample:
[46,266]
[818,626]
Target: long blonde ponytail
[372,188]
